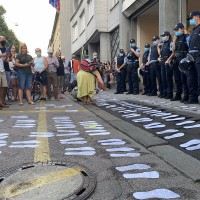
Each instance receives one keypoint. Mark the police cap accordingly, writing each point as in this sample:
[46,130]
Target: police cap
[155,38]
[179,25]
[121,51]
[132,41]
[147,45]
[192,14]
[165,33]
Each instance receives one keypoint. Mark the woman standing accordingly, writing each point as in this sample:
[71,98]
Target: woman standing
[40,66]
[24,64]
[13,77]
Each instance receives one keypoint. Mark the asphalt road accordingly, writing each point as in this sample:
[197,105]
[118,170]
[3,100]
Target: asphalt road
[66,131]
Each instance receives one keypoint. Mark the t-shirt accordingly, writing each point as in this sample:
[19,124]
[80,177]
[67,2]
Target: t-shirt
[6,65]
[23,59]
[74,66]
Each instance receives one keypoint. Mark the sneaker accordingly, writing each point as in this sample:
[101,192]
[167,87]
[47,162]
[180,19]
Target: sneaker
[129,93]
[135,93]
[118,93]
[144,93]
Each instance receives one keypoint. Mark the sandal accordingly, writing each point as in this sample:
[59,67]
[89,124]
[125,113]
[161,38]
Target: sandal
[21,103]
[31,103]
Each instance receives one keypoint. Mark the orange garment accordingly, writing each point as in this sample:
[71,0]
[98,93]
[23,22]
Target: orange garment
[76,65]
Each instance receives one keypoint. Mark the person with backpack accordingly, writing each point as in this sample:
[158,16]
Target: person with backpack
[86,78]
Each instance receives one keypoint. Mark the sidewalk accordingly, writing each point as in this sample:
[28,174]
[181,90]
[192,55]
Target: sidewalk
[154,101]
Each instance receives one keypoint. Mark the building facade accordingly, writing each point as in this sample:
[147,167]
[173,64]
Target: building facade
[105,26]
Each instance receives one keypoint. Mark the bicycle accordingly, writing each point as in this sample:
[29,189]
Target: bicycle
[36,88]
[10,93]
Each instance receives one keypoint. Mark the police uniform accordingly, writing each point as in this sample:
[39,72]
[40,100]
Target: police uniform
[155,70]
[121,77]
[145,72]
[166,70]
[193,75]
[132,65]
[181,49]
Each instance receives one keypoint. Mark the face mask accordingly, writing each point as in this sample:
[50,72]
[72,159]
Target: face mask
[146,49]
[121,54]
[193,22]
[95,57]
[132,45]
[155,43]
[164,38]
[178,33]
[38,53]
[3,43]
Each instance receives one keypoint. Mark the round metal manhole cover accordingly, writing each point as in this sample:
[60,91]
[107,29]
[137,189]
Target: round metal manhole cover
[47,181]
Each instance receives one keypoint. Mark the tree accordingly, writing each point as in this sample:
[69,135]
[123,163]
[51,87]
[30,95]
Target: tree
[5,31]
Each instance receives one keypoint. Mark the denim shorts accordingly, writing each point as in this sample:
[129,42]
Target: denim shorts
[25,81]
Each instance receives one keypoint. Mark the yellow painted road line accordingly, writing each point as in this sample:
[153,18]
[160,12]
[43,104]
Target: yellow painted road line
[42,152]
[23,187]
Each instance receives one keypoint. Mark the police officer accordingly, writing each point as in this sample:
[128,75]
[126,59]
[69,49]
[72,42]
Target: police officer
[144,70]
[154,68]
[166,69]
[194,50]
[120,76]
[131,61]
[179,51]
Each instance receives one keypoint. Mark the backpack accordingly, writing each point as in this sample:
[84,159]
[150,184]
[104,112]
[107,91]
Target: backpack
[88,65]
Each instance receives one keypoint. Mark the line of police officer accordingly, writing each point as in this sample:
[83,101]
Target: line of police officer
[166,59]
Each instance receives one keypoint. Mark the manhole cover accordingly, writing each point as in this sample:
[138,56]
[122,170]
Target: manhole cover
[47,181]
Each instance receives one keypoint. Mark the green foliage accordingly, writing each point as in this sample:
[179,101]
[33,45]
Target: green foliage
[6,32]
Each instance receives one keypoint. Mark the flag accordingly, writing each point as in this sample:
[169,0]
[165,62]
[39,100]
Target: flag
[55,4]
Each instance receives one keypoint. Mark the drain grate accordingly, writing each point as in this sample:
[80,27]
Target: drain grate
[49,181]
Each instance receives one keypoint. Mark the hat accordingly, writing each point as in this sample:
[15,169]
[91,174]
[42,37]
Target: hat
[147,45]
[155,38]
[50,50]
[132,41]
[121,51]
[192,14]
[165,33]
[179,25]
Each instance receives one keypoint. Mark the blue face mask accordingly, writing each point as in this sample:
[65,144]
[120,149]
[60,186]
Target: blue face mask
[132,45]
[178,33]
[121,54]
[164,38]
[146,49]
[155,43]
[193,22]
[94,57]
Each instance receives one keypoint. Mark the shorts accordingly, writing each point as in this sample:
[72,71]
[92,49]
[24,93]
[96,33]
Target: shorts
[60,81]
[25,81]
[8,73]
[42,78]
[3,80]
[13,75]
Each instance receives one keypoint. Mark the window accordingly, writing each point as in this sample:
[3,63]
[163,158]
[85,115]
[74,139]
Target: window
[90,9]
[75,32]
[82,22]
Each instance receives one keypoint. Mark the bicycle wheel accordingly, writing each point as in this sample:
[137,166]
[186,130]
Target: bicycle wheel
[36,91]
[10,94]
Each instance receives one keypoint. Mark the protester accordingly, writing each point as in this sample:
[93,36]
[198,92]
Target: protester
[60,75]
[67,74]
[3,81]
[13,77]
[86,81]
[53,64]
[24,64]
[40,68]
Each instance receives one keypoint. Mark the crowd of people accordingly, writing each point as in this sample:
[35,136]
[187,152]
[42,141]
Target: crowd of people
[18,70]
[165,62]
